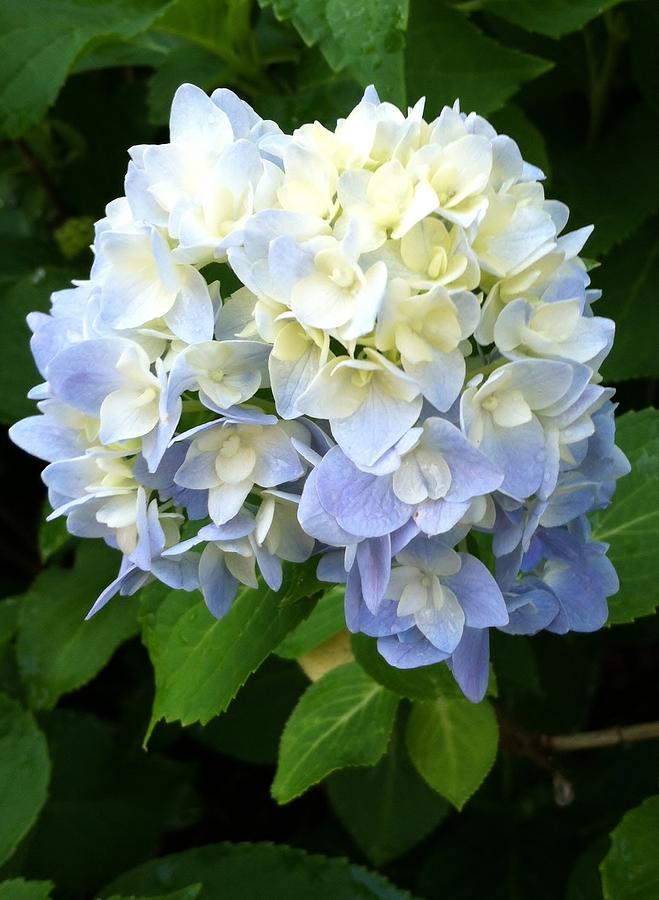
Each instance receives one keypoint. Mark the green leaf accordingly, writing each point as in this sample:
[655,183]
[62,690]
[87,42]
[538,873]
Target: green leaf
[448,58]
[362,38]
[19,252]
[212,45]
[74,236]
[57,650]
[424,683]
[643,22]
[19,374]
[108,53]
[38,50]
[551,17]
[109,801]
[24,774]
[8,620]
[325,100]
[251,727]
[630,198]
[327,619]
[627,278]
[453,744]
[344,719]
[20,889]
[631,524]
[53,535]
[223,28]
[585,882]
[388,808]
[630,870]
[370,38]
[201,662]
[187,893]
[247,871]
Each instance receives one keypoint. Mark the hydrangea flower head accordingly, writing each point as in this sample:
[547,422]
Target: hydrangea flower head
[409,371]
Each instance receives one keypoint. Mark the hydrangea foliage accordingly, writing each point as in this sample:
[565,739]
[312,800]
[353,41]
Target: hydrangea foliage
[374,346]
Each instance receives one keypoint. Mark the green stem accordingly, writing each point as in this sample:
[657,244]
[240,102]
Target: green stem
[606,737]
[194,406]
[246,72]
[469,6]
[601,79]
[41,174]
[486,370]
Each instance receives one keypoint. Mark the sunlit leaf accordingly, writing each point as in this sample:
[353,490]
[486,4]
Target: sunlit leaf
[38,50]
[630,870]
[387,808]
[551,17]
[24,774]
[357,36]
[449,58]
[201,662]
[326,620]
[245,871]
[344,719]
[627,278]
[631,524]
[19,889]
[453,744]
[57,650]
[424,683]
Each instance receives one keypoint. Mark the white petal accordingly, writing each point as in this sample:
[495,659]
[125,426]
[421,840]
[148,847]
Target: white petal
[226,500]
[128,413]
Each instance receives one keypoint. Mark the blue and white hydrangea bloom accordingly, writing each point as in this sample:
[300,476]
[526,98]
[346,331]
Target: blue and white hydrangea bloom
[408,372]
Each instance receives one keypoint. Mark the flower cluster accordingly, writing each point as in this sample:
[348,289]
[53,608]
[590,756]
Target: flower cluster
[373,345]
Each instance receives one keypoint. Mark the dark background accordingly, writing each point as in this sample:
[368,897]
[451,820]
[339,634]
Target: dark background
[591,122]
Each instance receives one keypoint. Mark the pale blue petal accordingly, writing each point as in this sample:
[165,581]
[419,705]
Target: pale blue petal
[198,471]
[472,473]
[362,504]
[178,574]
[288,263]
[532,606]
[192,317]
[196,120]
[240,114]
[239,415]
[43,437]
[359,618]
[270,567]
[316,521]
[439,516]
[402,536]
[374,564]
[443,628]
[478,593]
[69,478]
[85,373]
[470,663]
[129,580]
[375,427]
[331,567]
[441,379]
[410,654]
[289,380]
[218,585]
[429,554]
[277,461]
[50,336]
[520,453]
